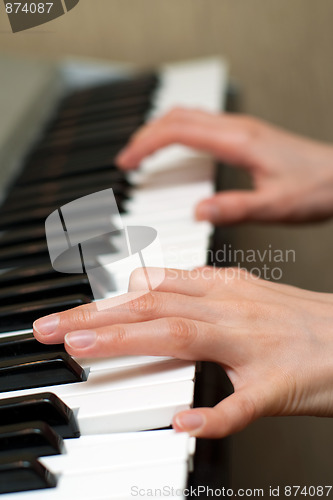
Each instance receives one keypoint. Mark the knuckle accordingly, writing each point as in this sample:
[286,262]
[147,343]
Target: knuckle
[175,113]
[137,279]
[232,275]
[182,332]
[205,270]
[253,311]
[79,316]
[251,124]
[119,335]
[248,408]
[145,304]
[246,310]
[251,128]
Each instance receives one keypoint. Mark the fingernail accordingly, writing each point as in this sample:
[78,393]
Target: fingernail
[81,339]
[207,211]
[189,421]
[47,325]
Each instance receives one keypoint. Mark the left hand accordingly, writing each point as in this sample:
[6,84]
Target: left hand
[292,175]
[274,341]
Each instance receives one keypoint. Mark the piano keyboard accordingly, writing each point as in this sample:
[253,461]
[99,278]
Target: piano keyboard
[110,399]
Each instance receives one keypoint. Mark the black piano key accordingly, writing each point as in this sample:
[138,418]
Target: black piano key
[38,215]
[27,274]
[137,109]
[24,473]
[89,179]
[105,123]
[60,171]
[29,233]
[60,198]
[45,289]
[106,106]
[46,407]
[36,438]
[63,169]
[36,252]
[27,254]
[22,235]
[39,370]
[85,140]
[21,316]
[25,345]
[21,246]
[142,83]
[93,158]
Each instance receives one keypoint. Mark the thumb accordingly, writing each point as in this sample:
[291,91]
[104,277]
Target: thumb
[232,207]
[230,416]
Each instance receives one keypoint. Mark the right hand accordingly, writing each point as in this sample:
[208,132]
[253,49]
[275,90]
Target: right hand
[292,175]
[274,341]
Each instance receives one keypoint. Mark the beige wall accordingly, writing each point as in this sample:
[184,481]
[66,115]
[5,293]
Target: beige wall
[280,51]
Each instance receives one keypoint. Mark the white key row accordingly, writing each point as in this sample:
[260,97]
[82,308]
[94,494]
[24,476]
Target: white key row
[118,467]
[136,397]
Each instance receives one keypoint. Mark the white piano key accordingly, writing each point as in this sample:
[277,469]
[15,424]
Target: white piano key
[113,484]
[100,364]
[168,195]
[176,166]
[166,199]
[158,202]
[198,83]
[143,408]
[133,409]
[129,377]
[186,229]
[107,451]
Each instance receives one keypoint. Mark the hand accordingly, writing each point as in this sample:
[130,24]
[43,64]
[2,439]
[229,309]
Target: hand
[274,341]
[292,176]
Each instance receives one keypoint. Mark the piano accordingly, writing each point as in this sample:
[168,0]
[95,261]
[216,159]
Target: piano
[94,428]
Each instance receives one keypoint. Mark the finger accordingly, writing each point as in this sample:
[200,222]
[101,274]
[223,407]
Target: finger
[198,282]
[231,415]
[136,308]
[150,131]
[178,337]
[194,283]
[226,136]
[232,207]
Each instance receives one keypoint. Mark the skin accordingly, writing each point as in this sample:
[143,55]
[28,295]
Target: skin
[292,175]
[274,341]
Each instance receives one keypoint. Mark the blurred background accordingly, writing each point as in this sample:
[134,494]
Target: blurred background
[280,54]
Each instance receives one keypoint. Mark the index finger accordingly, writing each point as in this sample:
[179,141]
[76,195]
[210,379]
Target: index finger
[133,307]
[224,136]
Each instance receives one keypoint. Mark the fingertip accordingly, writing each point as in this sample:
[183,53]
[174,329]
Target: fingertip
[121,160]
[207,210]
[190,421]
[45,329]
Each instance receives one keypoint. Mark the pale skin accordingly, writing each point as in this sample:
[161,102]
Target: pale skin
[274,341]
